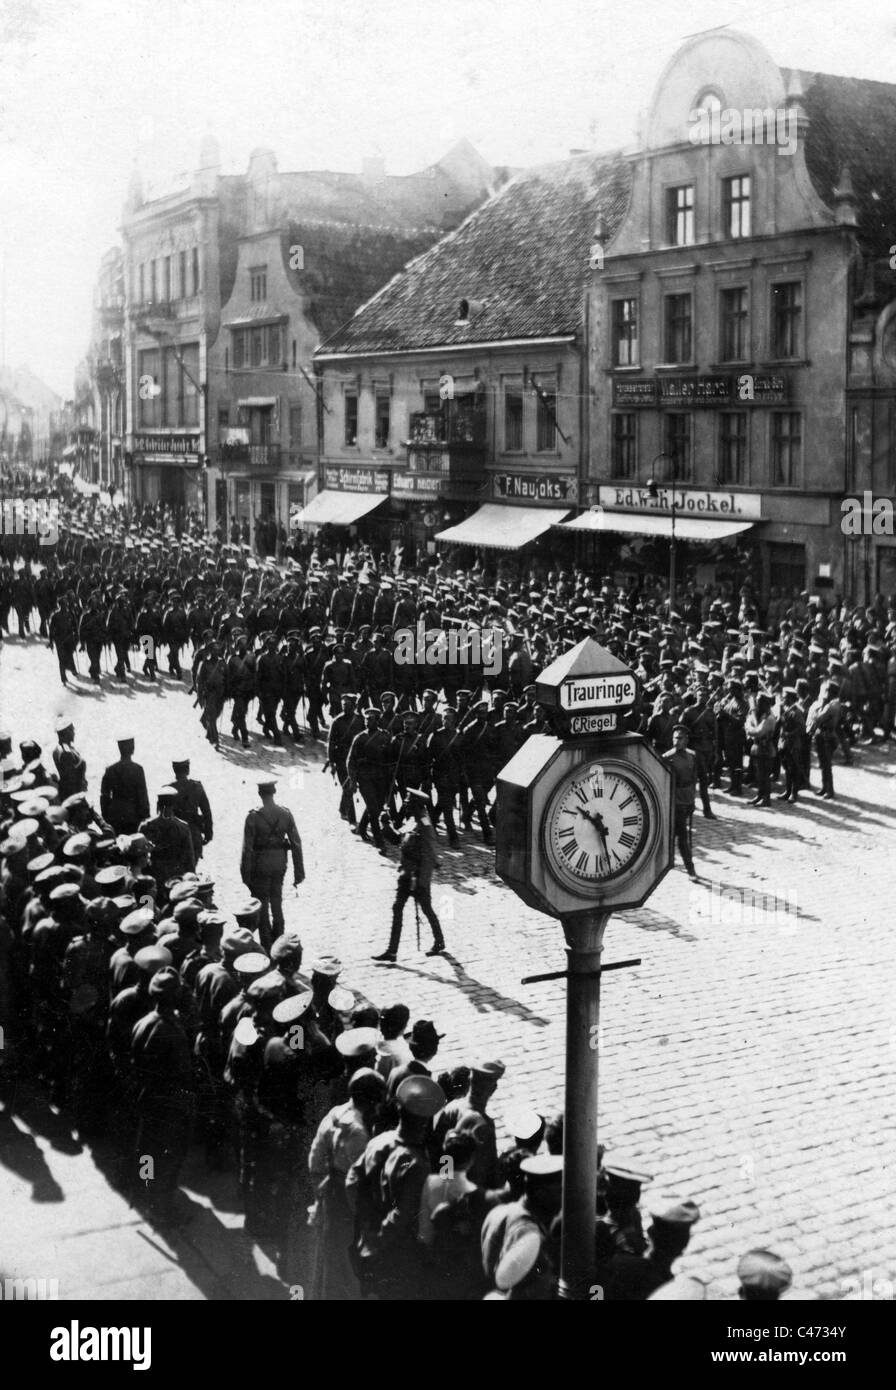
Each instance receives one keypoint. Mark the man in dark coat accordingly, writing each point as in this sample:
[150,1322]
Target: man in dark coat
[418,861]
[163,1070]
[124,802]
[269,837]
[192,806]
[171,840]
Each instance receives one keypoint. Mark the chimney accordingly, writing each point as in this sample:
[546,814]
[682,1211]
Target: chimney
[845,199]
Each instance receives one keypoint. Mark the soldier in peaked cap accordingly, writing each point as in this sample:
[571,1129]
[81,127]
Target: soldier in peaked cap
[172,843]
[192,806]
[269,837]
[763,1276]
[468,1115]
[630,1278]
[531,1215]
[622,1181]
[384,1188]
[71,768]
[418,861]
[164,1072]
[124,802]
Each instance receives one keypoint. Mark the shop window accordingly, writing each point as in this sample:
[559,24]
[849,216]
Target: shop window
[625,333]
[382,420]
[513,419]
[678,444]
[736,206]
[678,325]
[787,566]
[680,215]
[149,371]
[733,339]
[787,448]
[787,319]
[733,447]
[350,435]
[624,455]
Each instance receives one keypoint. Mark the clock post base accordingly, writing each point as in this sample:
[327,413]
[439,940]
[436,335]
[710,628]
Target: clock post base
[584,943]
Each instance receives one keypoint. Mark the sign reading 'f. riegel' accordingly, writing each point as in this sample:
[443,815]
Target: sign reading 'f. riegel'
[598,692]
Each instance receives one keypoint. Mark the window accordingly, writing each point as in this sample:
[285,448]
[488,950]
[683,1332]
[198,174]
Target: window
[189,389]
[787,567]
[195,269]
[172,400]
[678,328]
[733,447]
[295,427]
[382,420]
[546,422]
[239,351]
[351,417]
[256,346]
[680,215]
[273,345]
[153,287]
[293,352]
[463,311]
[149,374]
[513,419]
[787,448]
[733,328]
[182,281]
[166,280]
[223,419]
[258,281]
[141,284]
[787,319]
[625,332]
[736,206]
[678,444]
[624,446]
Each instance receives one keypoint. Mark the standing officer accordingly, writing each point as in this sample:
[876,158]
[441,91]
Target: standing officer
[270,835]
[822,723]
[418,860]
[71,768]
[63,636]
[343,730]
[684,769]
[793,733]
[171,840]
[192,806]
[124,802]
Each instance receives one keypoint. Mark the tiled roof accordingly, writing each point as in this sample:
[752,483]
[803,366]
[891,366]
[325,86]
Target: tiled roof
[852,121]
[521,260]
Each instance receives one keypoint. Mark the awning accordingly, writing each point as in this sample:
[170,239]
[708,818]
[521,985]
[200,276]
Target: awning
[687,528]
[69,451]
[258,402]
[338,508]
[503,528]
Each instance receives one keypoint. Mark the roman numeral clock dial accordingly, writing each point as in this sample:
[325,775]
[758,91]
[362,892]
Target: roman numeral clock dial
[596,826]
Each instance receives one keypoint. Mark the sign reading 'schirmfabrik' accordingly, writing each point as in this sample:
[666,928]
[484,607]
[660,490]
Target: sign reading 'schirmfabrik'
[357,479]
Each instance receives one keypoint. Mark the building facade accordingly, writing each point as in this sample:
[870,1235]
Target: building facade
[723,309]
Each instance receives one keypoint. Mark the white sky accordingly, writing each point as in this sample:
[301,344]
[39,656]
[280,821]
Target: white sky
[87,85]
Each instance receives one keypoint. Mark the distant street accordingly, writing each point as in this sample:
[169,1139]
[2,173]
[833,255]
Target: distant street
[747,1062]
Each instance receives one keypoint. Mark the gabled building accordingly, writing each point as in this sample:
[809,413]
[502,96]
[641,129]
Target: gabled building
[455,403]
[742,326]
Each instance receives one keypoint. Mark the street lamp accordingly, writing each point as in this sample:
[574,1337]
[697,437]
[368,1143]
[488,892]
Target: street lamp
[653,487]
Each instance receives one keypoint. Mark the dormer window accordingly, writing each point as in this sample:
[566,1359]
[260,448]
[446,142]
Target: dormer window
[258,278]
[463,311]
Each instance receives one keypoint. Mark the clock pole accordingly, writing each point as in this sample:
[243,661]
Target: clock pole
[584,934]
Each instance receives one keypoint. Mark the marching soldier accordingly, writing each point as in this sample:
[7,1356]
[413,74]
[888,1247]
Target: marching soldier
[343,730]
[315,661]
[269,837]
[367,766]
[269,676]
[293,684]
[171,840]
[241,687]
[418,861]
[62,635]
[443,747]
[92,635]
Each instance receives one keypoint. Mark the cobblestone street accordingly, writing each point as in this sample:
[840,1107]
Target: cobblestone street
[747,1063]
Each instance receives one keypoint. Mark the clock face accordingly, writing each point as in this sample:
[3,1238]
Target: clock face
[597,824]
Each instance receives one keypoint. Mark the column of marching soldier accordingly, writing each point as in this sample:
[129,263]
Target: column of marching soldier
[152,1017]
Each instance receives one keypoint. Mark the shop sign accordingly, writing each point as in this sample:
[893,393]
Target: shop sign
[173,445]
[745,505]
[702,391]
[533,487]
[417,484]
[357,479]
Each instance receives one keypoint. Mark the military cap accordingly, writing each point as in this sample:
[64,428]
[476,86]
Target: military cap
[126,741]
[125,902]
[313,631]
[291,1009]
[674,1211]
[249,907]
[326,965]
[77,846]
[495,1069]
[342,1001]
[152,958]
[266,989]
[419,1095]
[165,984]
[620,1165]
[284,948]
[65,893]
[102,911]
[32,807]
[354,1042]
[39,863]
[186,913]
[790,692]
[167,794]
[183,889]
[542,1168]
[137,921]
[111,876]
[388,695]
[75,802]
[684,1288]
[252,964]
[24,829]
[394,1018]
[267,786]
[523,1124]
[29,750]
[365,1082]
[180,765]
[765,1271]
[237,941]
[518,1261]
[133,846]
[63,723]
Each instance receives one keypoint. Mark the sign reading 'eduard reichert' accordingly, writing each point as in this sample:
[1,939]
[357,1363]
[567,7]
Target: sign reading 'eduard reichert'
[697,502]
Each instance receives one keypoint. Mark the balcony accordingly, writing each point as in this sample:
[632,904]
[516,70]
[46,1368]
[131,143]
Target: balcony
[250,455]
[445,453]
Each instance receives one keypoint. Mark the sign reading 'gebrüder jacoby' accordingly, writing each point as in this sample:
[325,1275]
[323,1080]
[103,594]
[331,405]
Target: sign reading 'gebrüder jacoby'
[181,445]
